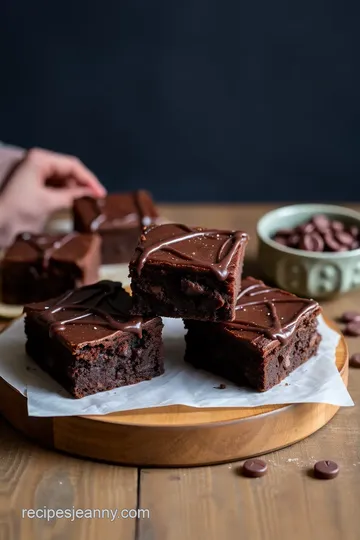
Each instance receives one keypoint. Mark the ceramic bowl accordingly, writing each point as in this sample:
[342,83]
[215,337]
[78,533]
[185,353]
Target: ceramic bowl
[315,275]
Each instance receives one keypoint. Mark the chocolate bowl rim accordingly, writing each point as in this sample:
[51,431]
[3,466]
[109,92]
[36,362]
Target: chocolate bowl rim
[319,208]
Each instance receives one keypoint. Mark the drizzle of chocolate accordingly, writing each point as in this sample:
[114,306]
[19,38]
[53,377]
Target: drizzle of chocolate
[45,253]
[88,305]
[220,266]
[140,198]
[99,205]
[275,330]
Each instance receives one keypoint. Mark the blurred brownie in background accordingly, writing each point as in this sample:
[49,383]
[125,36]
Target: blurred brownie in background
[119,219]
[39,267]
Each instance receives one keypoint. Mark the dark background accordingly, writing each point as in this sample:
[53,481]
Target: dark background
[193,99]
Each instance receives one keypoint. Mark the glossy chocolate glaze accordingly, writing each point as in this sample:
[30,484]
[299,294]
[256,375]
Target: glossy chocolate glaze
[206,248]
[44,247]
[120,210]
[103,307]
[266,311]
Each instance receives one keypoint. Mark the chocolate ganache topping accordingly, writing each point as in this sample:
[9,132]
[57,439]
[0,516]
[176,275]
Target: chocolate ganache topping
[175,243]
[104,304]
[46,245]
[124,210]
[263,310]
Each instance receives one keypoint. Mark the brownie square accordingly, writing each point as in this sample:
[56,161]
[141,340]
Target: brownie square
[189,272]
[273,333]
[37,267]
[119,219]
[89,342]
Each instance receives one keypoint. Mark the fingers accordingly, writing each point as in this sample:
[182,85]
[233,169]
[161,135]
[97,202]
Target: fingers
[49,164]
[61,199]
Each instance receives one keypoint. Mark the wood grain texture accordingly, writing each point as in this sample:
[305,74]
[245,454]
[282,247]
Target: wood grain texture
[174,435]
[205,502]
[31,477]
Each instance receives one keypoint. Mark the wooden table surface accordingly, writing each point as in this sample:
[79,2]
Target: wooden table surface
[206,503]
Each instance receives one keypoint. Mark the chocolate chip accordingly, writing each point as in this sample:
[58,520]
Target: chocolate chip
[221,386]
[124,350]
[355,360]
[306,228]
[191,288]
[331,242]
[254,468]
[325,470]
[320,234]
[344,238]
[156,289]
[353,329]
[321,222]
[285,360]
[350,316]
[312,242]
[294,240]
[281,240]
[337,226]
[285,232]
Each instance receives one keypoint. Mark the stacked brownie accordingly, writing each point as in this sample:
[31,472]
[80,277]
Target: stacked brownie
[193,273]
[273,333]
[98,337]
[243,330]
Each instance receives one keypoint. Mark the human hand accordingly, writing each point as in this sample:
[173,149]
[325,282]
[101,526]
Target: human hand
[42,183]
[10,156]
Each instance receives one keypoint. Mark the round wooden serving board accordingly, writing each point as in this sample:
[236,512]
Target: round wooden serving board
[176,435]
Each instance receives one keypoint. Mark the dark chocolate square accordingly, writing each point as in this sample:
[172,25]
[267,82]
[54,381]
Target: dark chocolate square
[89,342]
[119,219]
[37,267]
[273,333]
[189,272]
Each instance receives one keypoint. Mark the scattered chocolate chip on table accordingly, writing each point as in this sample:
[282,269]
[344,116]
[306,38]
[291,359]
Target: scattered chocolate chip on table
[350,316]
[254,468]
[355,360]
[352,329]
[326,470]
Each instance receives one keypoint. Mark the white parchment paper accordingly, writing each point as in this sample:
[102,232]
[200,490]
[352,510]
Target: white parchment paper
[317,381]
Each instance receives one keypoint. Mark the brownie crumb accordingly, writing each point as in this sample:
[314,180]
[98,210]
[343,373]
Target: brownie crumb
[221,386]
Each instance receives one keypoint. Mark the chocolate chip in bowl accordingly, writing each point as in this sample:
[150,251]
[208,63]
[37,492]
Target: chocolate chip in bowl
[311,249]
[320,234]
